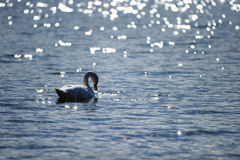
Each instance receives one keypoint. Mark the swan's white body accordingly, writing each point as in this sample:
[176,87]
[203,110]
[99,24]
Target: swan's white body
[77,92]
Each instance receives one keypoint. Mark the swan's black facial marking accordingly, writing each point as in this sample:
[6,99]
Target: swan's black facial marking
[95,87]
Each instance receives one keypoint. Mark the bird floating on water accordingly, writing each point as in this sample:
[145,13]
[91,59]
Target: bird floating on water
[79,92]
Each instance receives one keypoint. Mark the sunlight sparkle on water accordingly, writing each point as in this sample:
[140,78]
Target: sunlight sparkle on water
[17,56]
[64,8]
[39,90]
[64,43]
[115,28]
[26,11]
[29,56]
[62,74]
[140,46]
[179,132]
[94,49]
[122,37]
[79,70]
[160,45]
[2,4]
[39,50]
[67,106]
[47,25]
[88,33]
[175,32]
[36,18]
[76,27]
[108,50]
[41,4]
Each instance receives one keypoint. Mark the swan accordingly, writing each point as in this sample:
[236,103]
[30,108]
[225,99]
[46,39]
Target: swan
[78,92]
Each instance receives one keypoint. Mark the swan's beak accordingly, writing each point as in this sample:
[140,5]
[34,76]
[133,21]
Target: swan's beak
[95,87]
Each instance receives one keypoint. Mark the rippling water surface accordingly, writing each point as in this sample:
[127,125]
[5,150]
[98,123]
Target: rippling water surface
[169,79]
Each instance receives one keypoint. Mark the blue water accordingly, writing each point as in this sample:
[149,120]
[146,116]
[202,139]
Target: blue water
[169,79]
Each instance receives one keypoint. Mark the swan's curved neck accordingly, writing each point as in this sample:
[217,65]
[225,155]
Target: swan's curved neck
[85,80]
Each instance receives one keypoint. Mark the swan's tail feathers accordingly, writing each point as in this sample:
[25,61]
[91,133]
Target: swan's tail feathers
[60,93]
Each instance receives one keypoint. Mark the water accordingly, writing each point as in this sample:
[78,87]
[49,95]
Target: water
[168,79]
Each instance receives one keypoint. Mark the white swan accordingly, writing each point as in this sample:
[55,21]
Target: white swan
[78,92]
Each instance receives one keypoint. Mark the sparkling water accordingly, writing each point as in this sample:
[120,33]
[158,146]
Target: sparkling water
[169,79]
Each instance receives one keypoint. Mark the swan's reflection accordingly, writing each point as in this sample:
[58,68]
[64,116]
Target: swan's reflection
[64,100]
[86,104]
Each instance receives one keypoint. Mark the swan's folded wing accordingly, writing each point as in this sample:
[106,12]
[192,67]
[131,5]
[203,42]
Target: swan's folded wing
[61,93]
[74,92]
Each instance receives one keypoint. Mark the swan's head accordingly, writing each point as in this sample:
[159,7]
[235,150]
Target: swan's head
[93,77]
[95,82]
